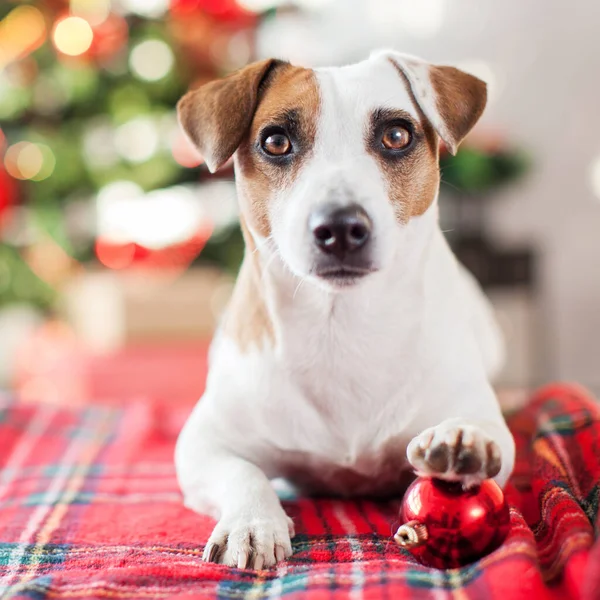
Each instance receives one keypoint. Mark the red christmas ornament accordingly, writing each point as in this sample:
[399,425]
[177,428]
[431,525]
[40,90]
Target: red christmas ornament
[447,526]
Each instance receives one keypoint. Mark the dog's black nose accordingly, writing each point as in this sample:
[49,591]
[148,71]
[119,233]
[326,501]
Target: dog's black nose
[340,231]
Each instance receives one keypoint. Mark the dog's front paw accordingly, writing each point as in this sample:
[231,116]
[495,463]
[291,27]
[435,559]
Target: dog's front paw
[459,452]
[250,542]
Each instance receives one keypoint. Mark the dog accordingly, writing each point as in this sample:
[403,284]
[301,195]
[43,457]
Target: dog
[355,349]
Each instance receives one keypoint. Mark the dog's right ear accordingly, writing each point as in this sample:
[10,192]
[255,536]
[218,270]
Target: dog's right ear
[217,115]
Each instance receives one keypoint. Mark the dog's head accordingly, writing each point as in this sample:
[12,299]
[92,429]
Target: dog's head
[331,164]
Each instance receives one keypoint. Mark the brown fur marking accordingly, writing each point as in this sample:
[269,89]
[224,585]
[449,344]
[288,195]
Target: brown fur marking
[460,100]
[412,179]
[291,91]
[247,319]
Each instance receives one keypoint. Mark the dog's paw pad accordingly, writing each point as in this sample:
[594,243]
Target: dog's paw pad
[456,453]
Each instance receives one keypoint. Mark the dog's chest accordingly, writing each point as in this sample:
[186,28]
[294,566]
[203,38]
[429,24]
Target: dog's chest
[348,414]
[377,472]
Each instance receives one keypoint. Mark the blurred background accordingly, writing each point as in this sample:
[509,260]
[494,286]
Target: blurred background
[118,250]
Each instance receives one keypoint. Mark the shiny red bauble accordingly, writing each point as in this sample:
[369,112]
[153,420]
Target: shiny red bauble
[446,526]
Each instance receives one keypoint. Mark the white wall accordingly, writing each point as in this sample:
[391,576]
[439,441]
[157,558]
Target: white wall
[544,58]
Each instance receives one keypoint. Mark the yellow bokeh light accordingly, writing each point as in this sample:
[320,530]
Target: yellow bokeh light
[25,160]
[73,36]
[30,161]
[48,164]
[151,60]
[21,31]
[11,159]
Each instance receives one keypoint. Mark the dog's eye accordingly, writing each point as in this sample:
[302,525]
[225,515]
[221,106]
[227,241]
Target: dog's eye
[396,137]
[277,144]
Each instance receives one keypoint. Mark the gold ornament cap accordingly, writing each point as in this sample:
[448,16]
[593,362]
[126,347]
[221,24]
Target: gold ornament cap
[411,535]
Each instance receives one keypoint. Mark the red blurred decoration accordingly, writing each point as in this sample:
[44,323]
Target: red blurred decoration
[223,10]
[8,186]
[52,366]
[173,258]
[48,366]
[447,526]
[110,37]
[115,256]
[185,153]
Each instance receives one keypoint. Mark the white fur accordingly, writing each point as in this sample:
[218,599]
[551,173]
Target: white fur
[356,373]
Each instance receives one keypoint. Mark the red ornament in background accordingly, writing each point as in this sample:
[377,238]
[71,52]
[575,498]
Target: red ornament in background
[8,194]
[447,526]
[8,186]
[172,259]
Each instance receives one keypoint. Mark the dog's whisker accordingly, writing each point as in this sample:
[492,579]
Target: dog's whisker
[451,185]
[266,242]
[302,280]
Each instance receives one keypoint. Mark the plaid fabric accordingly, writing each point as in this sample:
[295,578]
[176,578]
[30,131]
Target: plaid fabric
[89,508]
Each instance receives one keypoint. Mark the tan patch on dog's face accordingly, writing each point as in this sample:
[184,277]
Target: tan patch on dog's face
[247,320]
[412,174]
[289,103]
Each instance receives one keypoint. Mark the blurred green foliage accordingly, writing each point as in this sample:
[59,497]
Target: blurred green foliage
[474,171]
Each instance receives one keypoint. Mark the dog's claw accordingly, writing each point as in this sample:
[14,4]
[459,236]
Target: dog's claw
[242,561]
[211,552]
[259,562]
[279,554]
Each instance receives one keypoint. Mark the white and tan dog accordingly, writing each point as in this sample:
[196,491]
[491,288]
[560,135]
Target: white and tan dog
[354,340]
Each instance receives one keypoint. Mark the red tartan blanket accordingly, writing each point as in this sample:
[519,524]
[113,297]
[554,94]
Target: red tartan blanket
[89,508]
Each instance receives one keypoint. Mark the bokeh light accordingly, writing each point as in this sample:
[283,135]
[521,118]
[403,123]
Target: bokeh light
[595,177]
[114,255]
[94,12]
[99,149]
[25,160]
[185,153]
[21,31]
[146,8]
[48,163]
[73,36]
[137,140]
[155,220]
[151,60]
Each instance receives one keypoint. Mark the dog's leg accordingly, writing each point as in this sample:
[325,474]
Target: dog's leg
[465,439]
[253,529]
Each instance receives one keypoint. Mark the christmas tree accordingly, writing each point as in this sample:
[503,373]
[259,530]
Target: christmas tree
[94,167]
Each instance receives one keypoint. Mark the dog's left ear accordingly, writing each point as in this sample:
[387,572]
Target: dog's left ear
[452,100]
